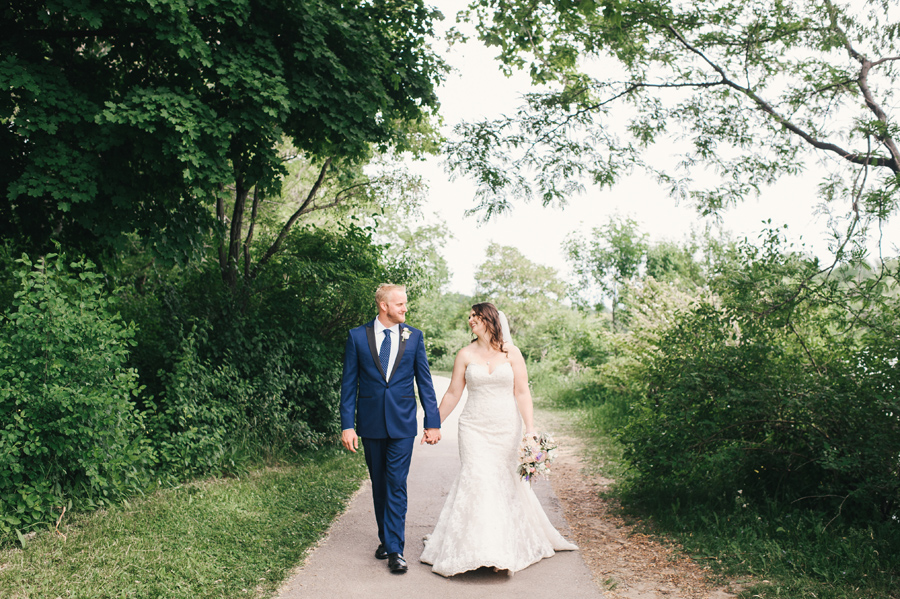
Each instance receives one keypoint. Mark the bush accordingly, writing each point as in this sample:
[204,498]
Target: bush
[258,366]
[94,408]
[444,320]
[774,388]
[70,427]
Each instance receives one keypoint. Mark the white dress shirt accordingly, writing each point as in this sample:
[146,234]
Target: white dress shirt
[395,343]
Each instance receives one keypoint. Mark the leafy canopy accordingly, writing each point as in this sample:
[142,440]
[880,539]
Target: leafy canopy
[124,117]
[748,90]
[506,275]
[610,257]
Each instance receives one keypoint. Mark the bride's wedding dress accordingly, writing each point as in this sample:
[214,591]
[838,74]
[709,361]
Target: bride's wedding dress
[490,517]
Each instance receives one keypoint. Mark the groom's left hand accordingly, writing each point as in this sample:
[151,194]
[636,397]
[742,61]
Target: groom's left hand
[431,436]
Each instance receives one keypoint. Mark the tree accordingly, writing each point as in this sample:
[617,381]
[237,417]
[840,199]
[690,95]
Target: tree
[521,288]
[125,117]
[760,383]
[609,259]
[757,89]
[444,319]
[672,262]
[329,194]
[506,273]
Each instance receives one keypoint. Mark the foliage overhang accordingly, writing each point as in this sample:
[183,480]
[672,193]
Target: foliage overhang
[125,117]
[750,90]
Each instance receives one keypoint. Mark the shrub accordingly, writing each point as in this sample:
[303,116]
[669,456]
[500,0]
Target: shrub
[258,366]
[444,321]
[776,388]
[70,427]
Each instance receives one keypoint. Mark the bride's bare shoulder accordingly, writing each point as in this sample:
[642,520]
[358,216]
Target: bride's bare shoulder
[465,353]
[512,350]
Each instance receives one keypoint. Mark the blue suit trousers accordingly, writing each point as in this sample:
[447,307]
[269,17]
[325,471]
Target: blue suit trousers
[388,461]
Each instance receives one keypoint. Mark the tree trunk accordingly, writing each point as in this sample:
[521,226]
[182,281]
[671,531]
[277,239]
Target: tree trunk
[220,216]
[230,271]
[253,210]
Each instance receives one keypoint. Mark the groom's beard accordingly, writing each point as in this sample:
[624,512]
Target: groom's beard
[396,317]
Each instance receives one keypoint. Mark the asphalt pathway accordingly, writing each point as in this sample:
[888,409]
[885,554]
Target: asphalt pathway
[343,565]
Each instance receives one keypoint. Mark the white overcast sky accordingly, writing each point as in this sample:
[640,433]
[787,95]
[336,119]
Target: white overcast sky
[476,89]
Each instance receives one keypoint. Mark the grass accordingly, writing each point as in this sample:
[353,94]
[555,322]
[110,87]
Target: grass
[789,552]
[779,551]
[237,537]
[586,419]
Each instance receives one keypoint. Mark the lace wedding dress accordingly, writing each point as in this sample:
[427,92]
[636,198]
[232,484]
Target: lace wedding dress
[490,517]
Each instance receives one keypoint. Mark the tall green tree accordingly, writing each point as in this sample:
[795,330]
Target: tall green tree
[523,289]
[123,117]
[507,274]
[755,90]
[607,260]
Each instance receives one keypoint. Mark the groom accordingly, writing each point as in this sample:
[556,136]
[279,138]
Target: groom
[381,360]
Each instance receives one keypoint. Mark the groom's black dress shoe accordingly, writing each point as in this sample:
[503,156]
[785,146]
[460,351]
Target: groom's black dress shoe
[381,552]
[397,564]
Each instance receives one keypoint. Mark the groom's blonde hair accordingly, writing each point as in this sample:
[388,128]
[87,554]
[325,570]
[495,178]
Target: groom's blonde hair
[384,291]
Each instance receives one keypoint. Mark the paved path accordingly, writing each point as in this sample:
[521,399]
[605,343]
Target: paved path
[343,565]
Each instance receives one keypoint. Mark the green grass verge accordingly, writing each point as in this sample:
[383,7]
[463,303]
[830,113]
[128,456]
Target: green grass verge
[790,553]
[236,537]
[777,551]
[575,411]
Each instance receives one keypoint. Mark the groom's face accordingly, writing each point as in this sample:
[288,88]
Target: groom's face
[395,308]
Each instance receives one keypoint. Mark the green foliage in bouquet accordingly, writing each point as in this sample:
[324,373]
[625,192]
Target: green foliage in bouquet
[70,427]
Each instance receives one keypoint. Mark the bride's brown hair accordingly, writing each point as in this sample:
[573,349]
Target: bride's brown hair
[489,315]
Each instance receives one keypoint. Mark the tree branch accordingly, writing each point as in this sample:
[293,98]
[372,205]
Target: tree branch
[875,63]
[853,157]
[103,32]
[879,113]
[805,349]
[863,82]
[282,235]
[631,87]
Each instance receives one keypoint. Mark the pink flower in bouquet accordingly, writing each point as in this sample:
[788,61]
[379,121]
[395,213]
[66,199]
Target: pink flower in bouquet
[535,456]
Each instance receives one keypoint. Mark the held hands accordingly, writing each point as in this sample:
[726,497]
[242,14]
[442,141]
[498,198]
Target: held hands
[350,440]
[431,436]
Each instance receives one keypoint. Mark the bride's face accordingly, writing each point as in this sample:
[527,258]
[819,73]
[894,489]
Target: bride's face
[476,324]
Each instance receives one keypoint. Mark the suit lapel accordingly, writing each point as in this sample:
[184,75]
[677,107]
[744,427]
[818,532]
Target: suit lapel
[370,335]
[400,351]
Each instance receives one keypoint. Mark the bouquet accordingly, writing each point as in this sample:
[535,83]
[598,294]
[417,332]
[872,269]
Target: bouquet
[535,456]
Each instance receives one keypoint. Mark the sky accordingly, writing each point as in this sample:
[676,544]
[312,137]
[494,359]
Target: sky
[477,89]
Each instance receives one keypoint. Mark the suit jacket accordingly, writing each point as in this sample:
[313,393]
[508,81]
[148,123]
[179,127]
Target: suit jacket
[382,408]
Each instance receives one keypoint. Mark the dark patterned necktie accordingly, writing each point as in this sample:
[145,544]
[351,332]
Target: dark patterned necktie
[385,354]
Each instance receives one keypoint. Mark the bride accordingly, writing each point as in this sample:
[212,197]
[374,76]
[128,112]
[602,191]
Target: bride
[490,517]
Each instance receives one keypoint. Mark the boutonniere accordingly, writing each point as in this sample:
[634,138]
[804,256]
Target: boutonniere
[404,333]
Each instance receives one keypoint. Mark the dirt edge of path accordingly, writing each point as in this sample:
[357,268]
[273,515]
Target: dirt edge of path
[624,563]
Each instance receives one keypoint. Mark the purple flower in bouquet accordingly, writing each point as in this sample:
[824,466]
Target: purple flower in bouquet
[535,456]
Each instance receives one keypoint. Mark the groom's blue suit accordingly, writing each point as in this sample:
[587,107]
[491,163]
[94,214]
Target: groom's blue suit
[383,410]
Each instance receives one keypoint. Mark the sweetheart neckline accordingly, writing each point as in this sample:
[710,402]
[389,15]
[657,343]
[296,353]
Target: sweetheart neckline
[486,367]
